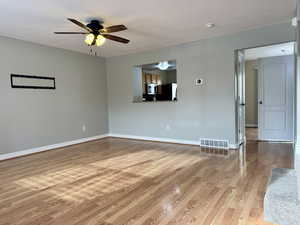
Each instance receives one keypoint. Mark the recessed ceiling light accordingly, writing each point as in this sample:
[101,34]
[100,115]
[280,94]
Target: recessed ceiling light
[210,25]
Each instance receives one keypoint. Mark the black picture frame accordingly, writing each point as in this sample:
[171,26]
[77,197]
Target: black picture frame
[12,76]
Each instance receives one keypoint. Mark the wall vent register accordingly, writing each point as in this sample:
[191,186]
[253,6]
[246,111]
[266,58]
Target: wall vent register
[213,143]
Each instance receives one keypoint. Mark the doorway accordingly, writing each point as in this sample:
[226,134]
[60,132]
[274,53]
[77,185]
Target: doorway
[265,93]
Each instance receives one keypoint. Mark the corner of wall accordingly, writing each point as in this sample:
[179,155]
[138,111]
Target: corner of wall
[107,95]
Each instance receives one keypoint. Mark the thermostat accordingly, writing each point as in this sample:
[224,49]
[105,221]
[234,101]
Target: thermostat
[199,82]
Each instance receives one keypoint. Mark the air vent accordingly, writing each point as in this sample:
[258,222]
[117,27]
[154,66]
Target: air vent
[212,143]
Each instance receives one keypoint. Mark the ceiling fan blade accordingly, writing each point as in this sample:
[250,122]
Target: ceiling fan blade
[116,38]
[80,24]
[115,28]
[70,32]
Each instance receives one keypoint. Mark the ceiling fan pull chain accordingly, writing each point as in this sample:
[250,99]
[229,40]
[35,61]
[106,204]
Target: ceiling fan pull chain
[95,50]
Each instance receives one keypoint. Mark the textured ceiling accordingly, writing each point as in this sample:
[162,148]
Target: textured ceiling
[152,24]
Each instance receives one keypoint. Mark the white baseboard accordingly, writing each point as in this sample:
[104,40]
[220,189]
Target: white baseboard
[234,146]
[167,140]
[82,140]
[277,140]
[297,148]
[49,147]
[252,125]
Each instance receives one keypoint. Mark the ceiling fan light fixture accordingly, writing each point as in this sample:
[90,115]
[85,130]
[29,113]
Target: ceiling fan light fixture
[100,40]
[163,65]
[89,39]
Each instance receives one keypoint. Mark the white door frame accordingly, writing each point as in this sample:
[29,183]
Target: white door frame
[240,96]
[237,90]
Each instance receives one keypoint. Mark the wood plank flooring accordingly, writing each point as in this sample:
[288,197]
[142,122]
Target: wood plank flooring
[252,134]
[126,182]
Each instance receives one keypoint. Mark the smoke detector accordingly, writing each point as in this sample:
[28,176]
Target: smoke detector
[210,25]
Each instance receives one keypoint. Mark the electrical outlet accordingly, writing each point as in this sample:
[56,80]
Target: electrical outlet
[83,128]
[294,22]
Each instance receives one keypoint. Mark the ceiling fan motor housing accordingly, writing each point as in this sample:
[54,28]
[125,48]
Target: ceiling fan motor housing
[95,25]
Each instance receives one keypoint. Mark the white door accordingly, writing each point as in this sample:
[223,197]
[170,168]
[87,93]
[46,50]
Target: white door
[241,95]
[276,97]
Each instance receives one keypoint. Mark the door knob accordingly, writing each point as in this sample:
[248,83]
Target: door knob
[260,102]
[242,104]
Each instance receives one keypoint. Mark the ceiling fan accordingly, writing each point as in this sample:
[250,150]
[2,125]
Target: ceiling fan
[96,34]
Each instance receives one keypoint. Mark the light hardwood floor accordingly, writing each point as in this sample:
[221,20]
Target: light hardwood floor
[118,182]
[252,134]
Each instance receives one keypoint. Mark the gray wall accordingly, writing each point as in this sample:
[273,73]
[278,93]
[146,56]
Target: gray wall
[251,84]
[34,118]
[205,111]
